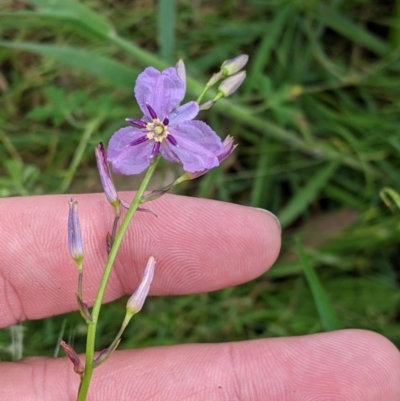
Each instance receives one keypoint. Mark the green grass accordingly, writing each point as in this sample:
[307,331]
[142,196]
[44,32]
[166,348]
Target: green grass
[317,121]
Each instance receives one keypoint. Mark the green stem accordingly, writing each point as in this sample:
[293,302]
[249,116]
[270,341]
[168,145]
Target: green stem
[200,98]
[91,335]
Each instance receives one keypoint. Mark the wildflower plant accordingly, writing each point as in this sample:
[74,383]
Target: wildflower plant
[168,130]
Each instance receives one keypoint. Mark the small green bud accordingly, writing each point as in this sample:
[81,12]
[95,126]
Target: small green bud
[231,84]
[234,65]
[207,105]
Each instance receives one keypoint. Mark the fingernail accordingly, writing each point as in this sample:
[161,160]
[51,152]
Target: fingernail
[278,223]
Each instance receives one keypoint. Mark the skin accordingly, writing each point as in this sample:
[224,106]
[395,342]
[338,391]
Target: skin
[38,279]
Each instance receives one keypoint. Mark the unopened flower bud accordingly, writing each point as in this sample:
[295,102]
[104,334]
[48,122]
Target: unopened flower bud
[207,105]
[136,301]
[231,84]
[105,177]
[232,66]
[181,71]
[73,356]
[74,233]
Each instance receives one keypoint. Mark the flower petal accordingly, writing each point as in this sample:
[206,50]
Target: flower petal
[167,152]
[163,91]
[198,146]
[181,71]
[126,159]
[121,139]
[229,147]
[186,112]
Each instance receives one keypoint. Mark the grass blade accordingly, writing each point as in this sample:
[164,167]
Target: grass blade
[351,30]
[99,66]
[325,310]
[166,29]
[305,196]
[78,12]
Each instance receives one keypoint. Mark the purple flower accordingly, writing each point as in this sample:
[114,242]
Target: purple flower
[165,128]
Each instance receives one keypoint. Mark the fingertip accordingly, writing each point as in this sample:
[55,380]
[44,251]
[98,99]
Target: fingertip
[383,355]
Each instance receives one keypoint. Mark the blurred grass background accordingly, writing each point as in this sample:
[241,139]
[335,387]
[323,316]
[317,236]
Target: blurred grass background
[317,121]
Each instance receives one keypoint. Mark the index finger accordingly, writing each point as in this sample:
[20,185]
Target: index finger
[199,245]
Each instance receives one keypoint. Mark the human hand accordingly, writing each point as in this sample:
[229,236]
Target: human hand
[200,245]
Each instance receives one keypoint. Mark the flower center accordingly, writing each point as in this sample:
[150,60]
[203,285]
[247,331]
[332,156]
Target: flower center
[157,130]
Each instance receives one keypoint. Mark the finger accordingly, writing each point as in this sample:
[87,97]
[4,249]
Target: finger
[199,245]
[350,365]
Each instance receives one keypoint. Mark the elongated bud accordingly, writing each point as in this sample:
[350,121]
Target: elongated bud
[181,71]
[105,177]
[136,301]
[73,356]
[234,65]
[74,234]
[231,84]
[207,105]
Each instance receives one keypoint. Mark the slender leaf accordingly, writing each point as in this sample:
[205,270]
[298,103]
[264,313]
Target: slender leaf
[166,29]
[99,66]
[351,30]
[300,201]
[325,310]
[390,197]
[77,11]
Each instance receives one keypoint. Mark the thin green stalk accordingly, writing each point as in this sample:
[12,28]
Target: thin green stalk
[91,336]
[113,346]
[200,98]
[80,280]
[80,150]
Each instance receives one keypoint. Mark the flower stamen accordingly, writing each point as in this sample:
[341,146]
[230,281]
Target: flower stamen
[172,140]
[157,131]
[136,122]
[138,141]
[155,149]
[153,114]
